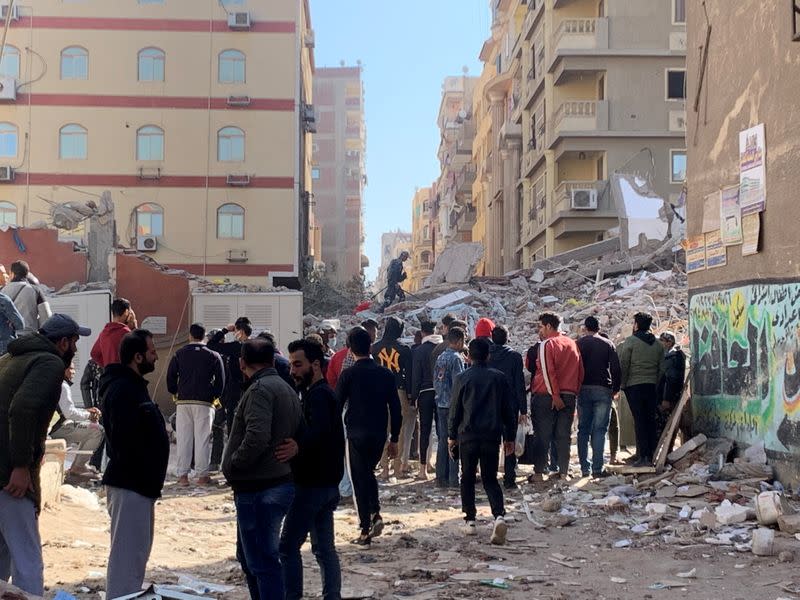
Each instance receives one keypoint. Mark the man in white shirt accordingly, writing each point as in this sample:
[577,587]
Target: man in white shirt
[78,427]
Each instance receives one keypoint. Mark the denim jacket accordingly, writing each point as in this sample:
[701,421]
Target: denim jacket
[448,365]
[10,322]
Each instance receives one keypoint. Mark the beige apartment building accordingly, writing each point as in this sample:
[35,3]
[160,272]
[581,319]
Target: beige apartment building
[172,106]
[423,239]
[572,92]
[338,171]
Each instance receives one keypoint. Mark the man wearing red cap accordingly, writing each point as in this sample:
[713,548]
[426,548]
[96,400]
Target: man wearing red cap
[484,329]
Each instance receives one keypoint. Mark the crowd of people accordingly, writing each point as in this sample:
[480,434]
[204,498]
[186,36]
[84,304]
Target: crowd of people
[293,434]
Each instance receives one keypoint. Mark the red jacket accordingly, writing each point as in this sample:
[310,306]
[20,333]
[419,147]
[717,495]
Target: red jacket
[564,367]
[335,367]
[106,349]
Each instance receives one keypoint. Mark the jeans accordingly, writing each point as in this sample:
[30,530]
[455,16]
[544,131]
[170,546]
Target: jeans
[642,400]
[446,467]
[363,455]
[20,544]
[484,453]
[594,414]
[311,512]
[552,425]
[258,518]
[509,469]
[427,411]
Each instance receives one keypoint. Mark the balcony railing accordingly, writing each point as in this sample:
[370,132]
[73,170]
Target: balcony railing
[582,115]
[582,34]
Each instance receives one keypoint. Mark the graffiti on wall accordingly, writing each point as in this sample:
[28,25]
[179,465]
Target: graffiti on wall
[745,345]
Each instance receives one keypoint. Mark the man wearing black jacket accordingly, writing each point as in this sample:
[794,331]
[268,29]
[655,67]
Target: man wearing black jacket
[423,392]
[318,466]
[481,415]
[396,357]
[195,378]
[138,453]
[368,393]
[230,352]
[509,362]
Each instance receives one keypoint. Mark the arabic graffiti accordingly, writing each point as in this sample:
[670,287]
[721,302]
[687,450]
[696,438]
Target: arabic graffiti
[745,345]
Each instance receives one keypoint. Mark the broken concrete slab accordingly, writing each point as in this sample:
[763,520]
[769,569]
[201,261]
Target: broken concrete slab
[448,299]
[457,263]
[690,446]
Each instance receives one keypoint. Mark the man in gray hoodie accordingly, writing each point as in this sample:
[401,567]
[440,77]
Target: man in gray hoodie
[25,296]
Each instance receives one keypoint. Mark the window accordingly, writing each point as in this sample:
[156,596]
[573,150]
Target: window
[231,66]
[676,84]
[677,159]
[230,144]
[149,220]
[74,63]
[8,213]
[796,20]
[150,143]
[151,64]
[9,66]
[72,142]
[230,222]
[678,12]
[315,173]
[8,140]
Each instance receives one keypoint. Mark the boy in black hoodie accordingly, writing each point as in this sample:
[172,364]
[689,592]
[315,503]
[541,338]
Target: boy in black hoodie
[423,393]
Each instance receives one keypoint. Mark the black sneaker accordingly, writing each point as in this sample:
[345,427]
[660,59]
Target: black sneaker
[376,528]
[601,474]
[363,540]
[510,485]
[584,473]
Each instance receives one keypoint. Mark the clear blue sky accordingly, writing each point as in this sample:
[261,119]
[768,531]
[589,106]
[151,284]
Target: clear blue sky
[407,49]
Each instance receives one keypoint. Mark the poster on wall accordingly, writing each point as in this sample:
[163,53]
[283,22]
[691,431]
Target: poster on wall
[752,170]
[730,216]
[711,213]
[696,254]
[751,230]
[716,252]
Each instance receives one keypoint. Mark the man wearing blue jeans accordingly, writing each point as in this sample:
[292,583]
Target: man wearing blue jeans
[448,365]
[601,382]
[263,488]
[317,465]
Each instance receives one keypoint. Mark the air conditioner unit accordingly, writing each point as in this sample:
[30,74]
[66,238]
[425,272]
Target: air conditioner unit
[239,20]
[238,100]
[146,243]
[14,12]
[583,199]
[8,88]
[309,116]
[238,180]
[310,39]
[6,173]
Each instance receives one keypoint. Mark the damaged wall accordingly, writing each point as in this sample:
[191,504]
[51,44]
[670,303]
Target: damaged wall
[55,263]
[744,316]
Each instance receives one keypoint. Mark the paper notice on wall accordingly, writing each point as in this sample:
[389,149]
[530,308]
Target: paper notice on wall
[156,325]
[711,213]
[752,170]
[696,253]
[751,231]
[730,216]
[716,252]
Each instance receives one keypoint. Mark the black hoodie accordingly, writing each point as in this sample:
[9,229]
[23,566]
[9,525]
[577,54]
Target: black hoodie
[393,355]
[509,362]
[136,435]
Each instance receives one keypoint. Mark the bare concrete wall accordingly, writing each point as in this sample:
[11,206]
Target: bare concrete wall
[744,317]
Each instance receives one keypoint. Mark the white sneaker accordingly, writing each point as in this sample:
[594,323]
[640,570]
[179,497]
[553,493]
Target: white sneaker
[499,532]
[469,528]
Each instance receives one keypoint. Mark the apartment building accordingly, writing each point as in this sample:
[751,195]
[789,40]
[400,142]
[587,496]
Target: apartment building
[423,239]
[453,205]
[392,244]
[170,105]
[338,171]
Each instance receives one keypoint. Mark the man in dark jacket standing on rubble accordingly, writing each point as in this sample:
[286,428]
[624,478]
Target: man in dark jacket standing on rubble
[482,414]
[396,274]
[509,362]
[395,356]
[423,392]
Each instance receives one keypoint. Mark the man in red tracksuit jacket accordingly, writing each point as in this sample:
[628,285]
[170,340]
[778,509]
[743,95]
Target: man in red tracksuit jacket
[556,383]
[123,320]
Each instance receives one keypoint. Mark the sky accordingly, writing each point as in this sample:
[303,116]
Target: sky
[407,49]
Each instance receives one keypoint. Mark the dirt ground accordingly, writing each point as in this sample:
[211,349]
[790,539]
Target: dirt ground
[423,553]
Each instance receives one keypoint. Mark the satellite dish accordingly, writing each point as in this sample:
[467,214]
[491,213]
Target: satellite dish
[462,114]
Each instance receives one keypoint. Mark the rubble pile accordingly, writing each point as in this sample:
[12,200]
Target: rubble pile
[612,288]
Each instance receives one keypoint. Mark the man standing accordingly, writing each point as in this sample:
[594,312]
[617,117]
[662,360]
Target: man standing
[196,379]
[448,366]
[123,320]
[11,322]
[230,352]
[369,393]
[482,414]
[509,362]
[447,322]
[559,373]
[670,386]
[641,358]
[318,466]
[601,382]
[25,296]
[138,452]
[395,275]
[30,384]
[268,414]
[423,392]
[392,355]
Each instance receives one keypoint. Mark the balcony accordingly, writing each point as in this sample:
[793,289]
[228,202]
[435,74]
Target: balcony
[571,214]
[534,153]
[532,86]
[353,131]
[535,12]
[575,35]
[465,178]
[581,116]
[511,130]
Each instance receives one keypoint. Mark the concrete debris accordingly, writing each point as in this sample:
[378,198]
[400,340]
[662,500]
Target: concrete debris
[690,446]
[457,263]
